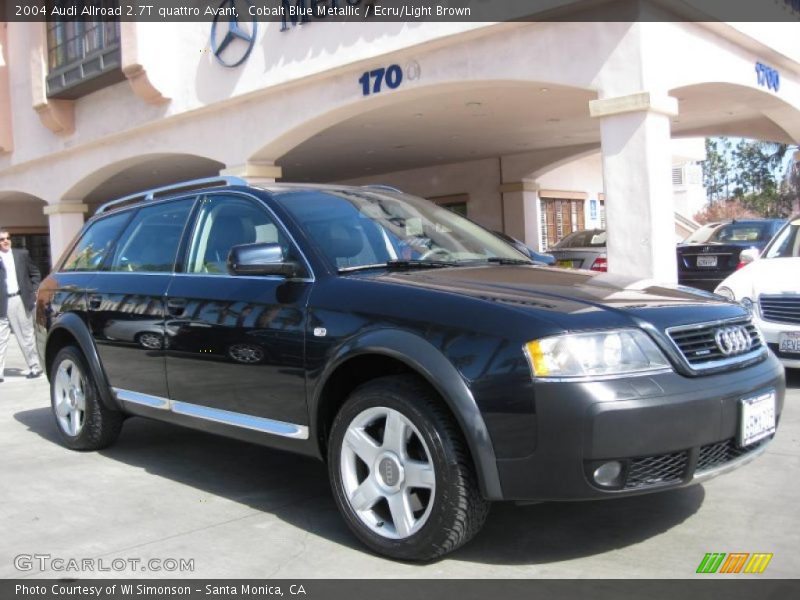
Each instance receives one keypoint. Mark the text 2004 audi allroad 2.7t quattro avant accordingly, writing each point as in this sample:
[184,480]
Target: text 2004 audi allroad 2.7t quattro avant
[433,366]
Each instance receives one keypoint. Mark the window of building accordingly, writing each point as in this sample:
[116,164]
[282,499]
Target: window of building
[37,245]
[560,217]
[82,57]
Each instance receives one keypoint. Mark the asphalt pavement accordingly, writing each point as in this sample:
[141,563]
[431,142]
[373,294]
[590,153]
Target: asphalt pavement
[170,502]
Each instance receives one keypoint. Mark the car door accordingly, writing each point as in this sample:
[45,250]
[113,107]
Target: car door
[236,343]
[127,299]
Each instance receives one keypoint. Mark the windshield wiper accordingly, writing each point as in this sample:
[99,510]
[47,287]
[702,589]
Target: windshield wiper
[407,263]
[507,261]
[400,263]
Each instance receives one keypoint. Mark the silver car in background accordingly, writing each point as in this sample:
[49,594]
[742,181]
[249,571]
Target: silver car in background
[584,249]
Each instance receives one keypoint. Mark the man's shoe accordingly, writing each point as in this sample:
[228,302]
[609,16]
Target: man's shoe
[33,374]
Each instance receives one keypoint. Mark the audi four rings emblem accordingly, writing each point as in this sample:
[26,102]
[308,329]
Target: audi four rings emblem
[732,340]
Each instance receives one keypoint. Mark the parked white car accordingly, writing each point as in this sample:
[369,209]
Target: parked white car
[770,288]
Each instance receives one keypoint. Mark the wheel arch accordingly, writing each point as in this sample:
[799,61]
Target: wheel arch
[68,330]
[386,352]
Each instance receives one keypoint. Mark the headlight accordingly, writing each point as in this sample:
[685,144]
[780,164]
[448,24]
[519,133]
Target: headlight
[725,293]
[748,304]
[595,353]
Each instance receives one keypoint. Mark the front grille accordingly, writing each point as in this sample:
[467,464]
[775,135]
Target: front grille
[781,309]
[656,470]
[715,455]
[699,348]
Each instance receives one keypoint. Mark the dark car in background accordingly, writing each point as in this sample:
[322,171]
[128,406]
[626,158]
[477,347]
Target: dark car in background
[432,366]
[584,249]
[538,257]
[704,264]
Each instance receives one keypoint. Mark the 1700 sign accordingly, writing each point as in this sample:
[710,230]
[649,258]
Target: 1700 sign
[372,82]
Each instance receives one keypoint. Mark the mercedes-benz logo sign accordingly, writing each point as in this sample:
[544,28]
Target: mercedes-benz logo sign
[232,42]
[733,340]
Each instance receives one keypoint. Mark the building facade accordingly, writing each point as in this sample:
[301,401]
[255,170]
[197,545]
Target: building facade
[532,128]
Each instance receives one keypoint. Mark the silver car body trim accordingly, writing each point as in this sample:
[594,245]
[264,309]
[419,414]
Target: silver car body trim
[707,474]
[226,417]
[142,399]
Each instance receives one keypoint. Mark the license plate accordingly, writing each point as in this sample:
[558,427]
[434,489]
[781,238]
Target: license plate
[567,264]
[706,261]
[757,418]
[789,342]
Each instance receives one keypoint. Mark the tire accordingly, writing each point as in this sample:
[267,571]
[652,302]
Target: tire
[373,476]
[149,340]
[83,421]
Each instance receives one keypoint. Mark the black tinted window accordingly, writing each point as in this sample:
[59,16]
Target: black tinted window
[95,243]
[743,232]
[151,240]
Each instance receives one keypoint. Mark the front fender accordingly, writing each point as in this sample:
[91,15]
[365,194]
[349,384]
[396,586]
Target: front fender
[73,325]
[426,360]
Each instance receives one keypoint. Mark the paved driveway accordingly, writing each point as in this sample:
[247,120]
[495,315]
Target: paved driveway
[238,510]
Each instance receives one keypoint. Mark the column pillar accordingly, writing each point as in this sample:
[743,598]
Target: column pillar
[637,163]
[254,172]
[522,212]
[66,220]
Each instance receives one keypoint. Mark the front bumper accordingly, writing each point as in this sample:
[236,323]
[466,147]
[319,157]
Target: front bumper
[771,332]
[668,430]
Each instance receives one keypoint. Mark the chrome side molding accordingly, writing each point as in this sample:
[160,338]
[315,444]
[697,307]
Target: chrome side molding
[217,415]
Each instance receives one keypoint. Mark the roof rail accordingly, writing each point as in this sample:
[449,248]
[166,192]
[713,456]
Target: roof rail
[150,195]
[382,186]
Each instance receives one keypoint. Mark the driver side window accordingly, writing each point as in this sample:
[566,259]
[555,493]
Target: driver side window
[225,222]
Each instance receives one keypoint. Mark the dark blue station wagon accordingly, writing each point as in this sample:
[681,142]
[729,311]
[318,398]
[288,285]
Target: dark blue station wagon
[433,366]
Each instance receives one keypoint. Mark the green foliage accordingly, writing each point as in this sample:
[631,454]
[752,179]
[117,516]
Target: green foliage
[752,173]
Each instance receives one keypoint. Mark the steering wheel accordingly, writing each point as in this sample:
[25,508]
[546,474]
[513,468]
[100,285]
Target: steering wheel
[434,251]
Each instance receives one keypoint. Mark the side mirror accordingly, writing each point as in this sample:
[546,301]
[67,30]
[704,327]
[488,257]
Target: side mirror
[747,256]
[260,259]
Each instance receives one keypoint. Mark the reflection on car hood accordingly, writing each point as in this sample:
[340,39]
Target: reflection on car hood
[551,286]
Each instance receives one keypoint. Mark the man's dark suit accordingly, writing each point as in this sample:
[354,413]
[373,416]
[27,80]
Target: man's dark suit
[28,277]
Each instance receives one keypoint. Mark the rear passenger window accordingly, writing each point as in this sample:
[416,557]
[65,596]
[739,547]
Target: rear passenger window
[90,251]
[150,242]
[225,222]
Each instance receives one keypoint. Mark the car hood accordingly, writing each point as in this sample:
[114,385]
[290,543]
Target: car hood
[766,276]
[567,293]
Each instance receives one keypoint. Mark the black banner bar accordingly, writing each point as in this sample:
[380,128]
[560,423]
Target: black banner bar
[712,588]
[298,12]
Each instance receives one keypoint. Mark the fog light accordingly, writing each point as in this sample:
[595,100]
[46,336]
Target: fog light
[608,473]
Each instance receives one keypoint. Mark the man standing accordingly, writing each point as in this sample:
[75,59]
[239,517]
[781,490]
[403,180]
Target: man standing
[19,279]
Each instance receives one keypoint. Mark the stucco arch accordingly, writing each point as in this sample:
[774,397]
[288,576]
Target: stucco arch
[21,210]
[137,173]
[487,110]
[722,108]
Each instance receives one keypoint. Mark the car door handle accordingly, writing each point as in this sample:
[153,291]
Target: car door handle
[176,307]
[95,301]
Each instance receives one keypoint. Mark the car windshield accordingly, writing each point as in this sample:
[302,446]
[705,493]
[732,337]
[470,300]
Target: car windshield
[786,243]
[742,232]
[358,229]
